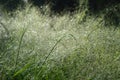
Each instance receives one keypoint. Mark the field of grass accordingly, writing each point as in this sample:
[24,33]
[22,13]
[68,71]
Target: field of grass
[34,46]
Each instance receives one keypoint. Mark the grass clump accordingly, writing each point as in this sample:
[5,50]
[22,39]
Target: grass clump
[41,47]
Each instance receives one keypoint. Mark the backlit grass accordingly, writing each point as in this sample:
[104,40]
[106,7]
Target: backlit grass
[40,47]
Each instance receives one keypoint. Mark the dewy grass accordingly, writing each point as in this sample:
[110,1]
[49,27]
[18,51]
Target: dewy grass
[49,54]
[2,25]
[88,50]
[19,46]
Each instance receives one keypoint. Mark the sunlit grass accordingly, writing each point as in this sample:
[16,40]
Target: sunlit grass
[41,47]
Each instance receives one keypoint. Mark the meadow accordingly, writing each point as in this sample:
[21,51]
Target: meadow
[36,46]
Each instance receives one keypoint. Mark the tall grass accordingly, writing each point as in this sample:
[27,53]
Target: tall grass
[41,47]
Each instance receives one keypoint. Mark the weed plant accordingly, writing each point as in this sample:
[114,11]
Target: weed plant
[40,47]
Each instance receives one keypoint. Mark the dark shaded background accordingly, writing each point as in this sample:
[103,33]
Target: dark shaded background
[62,6]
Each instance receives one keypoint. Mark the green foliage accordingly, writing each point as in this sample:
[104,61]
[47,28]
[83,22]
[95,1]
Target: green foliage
[40,47]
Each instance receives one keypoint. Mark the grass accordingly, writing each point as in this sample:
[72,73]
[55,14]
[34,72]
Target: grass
[40,47]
